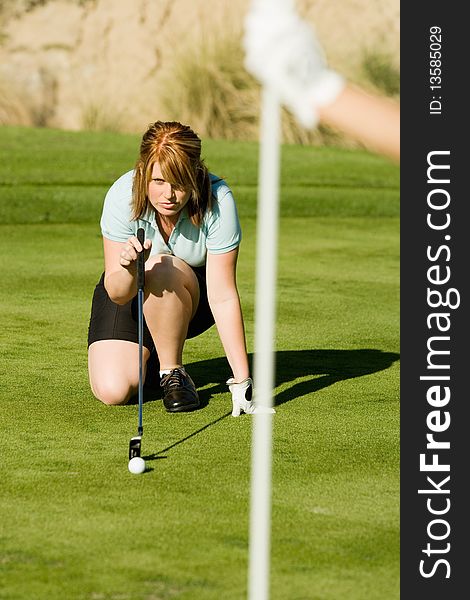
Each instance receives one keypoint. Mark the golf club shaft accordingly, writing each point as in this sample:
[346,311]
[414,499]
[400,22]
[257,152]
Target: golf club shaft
[140,316]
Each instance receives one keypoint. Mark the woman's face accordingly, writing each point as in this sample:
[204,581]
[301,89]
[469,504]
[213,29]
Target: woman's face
[167,200]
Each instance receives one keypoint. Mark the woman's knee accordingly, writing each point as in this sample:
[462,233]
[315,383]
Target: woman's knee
[112,392]
[113,370]
[166,275]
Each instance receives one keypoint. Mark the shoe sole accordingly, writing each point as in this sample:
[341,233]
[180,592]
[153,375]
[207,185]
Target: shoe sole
[185,408]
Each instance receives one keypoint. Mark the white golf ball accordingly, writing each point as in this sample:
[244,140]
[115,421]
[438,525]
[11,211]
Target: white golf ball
[137,465]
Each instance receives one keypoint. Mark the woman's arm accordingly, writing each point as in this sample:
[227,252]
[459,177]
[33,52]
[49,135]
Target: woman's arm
[225,305]
[372,120]
[120,261]
[275,39]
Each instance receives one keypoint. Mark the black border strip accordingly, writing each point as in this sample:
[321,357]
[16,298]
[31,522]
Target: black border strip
[423,131]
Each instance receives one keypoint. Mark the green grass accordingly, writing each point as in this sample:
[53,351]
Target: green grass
[75,525]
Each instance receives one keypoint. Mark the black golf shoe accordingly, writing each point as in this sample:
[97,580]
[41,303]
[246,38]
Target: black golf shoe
[180,393]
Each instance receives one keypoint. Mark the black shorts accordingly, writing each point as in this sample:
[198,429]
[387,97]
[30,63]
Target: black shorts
[111,321]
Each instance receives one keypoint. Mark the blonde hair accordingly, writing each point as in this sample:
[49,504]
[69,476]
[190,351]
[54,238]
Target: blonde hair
[177,149]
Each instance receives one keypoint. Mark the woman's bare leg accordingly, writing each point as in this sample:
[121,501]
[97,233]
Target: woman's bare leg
[171,299]
[113,368]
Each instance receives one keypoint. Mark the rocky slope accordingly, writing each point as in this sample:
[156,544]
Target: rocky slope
[104,63]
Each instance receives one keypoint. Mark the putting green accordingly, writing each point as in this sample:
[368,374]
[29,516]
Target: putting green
[75,523]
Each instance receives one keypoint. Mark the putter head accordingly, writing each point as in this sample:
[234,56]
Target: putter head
[134,446]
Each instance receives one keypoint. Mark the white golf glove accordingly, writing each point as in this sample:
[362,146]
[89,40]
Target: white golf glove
[282,52]
[242,402]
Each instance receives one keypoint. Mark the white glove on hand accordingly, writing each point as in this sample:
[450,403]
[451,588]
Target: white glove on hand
[242,398]
[283,53]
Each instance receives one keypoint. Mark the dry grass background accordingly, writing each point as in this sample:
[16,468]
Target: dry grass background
[113,65]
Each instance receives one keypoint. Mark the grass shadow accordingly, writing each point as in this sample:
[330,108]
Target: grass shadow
[160,454]
[322,368]
[326,367]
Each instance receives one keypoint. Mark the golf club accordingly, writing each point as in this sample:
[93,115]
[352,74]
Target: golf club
[136,441]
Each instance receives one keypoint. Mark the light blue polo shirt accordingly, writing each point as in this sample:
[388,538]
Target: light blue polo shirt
[219,232]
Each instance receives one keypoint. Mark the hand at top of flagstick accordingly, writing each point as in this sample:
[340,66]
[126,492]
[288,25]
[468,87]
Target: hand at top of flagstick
[283,53]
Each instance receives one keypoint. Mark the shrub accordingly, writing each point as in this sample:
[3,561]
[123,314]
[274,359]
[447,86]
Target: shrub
[97,117]
[209,88]
[12,109]
[380,71]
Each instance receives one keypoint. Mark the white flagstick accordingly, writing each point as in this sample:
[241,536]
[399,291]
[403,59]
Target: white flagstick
[264,368]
